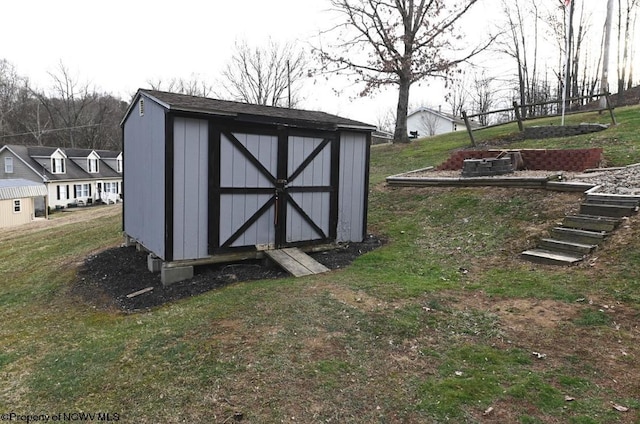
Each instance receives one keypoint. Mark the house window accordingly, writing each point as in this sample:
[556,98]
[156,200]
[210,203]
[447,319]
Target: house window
[111,187]
[62,192]
[57,165]
[17,206]
[8,165]
[141,107]
[93,166]
[82,190]
[119,165]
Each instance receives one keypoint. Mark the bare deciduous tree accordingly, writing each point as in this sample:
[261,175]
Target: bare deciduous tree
[68,115]
[68,106]
[396,42]
[194,86]
[483,96]
[266,76]
[627,12]
[10,84]
[31,119]
[77,113]
[386,120]
[457,94]
[429,123]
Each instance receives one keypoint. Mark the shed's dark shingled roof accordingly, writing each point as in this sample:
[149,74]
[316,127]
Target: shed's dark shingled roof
[254,113]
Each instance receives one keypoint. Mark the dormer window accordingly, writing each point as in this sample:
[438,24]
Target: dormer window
[119,165]
[92,166]
[57,165]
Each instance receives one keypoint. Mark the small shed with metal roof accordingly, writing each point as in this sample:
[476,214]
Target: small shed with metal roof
[208,180]
[17,201]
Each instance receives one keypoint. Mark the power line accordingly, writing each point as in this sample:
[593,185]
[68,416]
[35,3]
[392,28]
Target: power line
[50,131]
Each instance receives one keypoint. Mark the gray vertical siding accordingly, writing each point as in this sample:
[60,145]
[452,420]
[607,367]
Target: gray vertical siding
[237,172]
[353,168]
[20,170]
[190,188]
[144,191]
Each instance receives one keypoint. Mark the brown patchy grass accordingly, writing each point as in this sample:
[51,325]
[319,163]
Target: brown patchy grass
[350,346]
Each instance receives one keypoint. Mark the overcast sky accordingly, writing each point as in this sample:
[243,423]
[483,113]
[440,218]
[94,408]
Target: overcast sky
[120,45]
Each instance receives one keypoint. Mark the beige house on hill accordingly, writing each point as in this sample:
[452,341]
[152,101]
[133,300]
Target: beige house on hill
[17,201]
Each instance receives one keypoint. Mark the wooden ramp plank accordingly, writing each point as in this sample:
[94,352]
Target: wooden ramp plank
[307,261]
[296,262]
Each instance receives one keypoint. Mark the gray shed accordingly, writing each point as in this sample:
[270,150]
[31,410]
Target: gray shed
[207,180]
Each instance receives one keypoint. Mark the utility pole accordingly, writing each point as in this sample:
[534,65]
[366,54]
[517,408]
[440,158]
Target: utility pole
[288,85]
[566,92]
[604,80]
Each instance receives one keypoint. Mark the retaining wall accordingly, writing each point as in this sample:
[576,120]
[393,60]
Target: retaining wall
[553,131]
[574,160]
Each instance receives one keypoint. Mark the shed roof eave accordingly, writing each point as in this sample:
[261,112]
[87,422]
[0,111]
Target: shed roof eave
[295,123]
[357,127]
[204,112]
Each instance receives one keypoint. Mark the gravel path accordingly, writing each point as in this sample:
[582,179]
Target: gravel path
[615,181]
[624,181]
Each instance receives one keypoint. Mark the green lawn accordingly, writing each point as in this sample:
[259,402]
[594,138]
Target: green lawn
[439,325]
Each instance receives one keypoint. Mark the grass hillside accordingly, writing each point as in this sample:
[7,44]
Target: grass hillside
[621,143]
[444,323]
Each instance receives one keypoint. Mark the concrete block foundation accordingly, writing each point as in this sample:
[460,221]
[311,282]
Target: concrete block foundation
[154,263]
[170,275]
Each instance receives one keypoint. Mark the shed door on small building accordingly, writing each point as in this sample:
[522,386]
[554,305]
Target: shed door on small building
[275,190]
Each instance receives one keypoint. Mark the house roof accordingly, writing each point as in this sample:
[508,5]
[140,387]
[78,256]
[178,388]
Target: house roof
[72,170]
[41,150]
[19,188]
[78,153]
[246,112]
[108,154]
[442,115]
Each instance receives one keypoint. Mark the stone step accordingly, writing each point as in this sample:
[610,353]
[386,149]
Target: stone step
[566,246]
[614,197]
[551,258]
[607,210]
[590,222]
[578,236]
[601,200]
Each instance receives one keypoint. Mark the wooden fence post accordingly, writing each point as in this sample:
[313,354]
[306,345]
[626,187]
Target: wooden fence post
[613,118]
[516,109]
[466,123]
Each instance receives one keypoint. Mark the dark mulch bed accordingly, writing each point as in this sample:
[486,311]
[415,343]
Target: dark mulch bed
[106,279]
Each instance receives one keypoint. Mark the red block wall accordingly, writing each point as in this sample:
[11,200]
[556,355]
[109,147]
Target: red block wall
[575,160]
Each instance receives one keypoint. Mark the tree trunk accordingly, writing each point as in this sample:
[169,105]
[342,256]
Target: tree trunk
[401,134]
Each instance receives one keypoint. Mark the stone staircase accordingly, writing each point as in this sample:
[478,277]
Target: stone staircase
[581,234]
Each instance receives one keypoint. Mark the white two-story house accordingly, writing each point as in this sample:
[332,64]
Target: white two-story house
[73,177]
